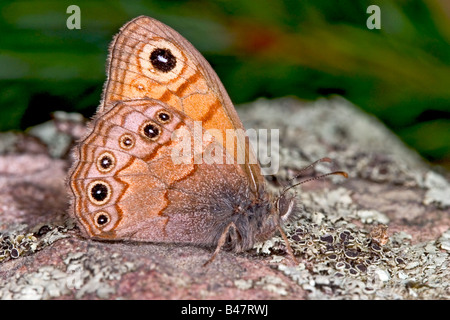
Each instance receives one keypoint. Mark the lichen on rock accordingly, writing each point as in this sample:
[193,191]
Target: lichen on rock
[42,255]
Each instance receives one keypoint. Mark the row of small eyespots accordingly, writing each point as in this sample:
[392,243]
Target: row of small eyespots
[106,161]
[99,192]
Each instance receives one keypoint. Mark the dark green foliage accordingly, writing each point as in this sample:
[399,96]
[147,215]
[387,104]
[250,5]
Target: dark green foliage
[269,48]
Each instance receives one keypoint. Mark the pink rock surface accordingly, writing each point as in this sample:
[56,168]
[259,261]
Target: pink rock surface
[385,186]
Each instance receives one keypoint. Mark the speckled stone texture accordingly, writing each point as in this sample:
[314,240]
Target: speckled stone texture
[42,255]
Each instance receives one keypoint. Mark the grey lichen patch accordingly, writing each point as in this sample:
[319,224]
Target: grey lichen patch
[338,205]
[267,246]
[272,284]
[338,201]
[46,283]
[444,241]
[18,242]
[83,275]
[16,143]
[8,141]
[13,246]
[269,283]
[370,216]
[335,128]
[340,260]
[56,134]
[243,284]
[91,274]
[438,190]
[381,168]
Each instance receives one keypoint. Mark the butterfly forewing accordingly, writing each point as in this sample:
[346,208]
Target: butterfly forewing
[150,59]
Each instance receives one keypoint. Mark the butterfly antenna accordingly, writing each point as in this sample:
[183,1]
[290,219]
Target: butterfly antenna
[342,173]
[309,167]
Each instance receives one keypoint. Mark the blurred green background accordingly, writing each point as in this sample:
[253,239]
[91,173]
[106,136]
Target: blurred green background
[259,48]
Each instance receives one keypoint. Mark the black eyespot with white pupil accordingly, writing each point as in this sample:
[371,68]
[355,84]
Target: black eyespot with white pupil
[99,192]
[151,130]
[105,162]
[163,59]
[126,141]
[163,117]
[102,219]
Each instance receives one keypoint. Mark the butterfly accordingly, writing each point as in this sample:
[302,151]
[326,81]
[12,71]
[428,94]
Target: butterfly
[128,181]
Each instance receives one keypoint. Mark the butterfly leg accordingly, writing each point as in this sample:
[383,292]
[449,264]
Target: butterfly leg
[220,243]
[288,246]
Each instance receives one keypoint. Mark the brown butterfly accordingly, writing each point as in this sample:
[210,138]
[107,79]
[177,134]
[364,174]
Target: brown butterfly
[125,183]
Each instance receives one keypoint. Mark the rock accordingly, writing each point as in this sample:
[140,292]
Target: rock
[44,257]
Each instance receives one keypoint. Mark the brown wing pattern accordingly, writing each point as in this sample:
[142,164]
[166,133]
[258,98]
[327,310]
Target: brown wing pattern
[179,76]
[127,185]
